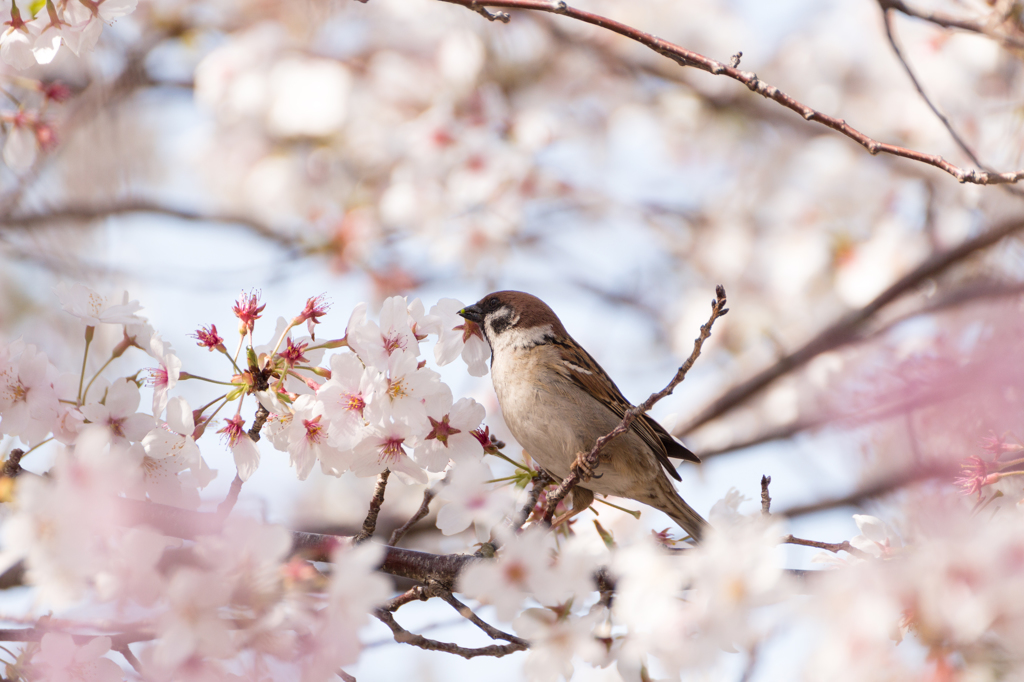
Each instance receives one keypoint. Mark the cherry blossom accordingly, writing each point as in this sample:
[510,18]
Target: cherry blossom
[451,430]
[459,338]
[349,398]
[248,309]
[59,659]
[556,637]
[21,147]
[307,434]
[192,624]
[376,344]
[165,376]
[244,450]
[409,386]
[168,450]
[316,307]
[525,568]
[386,446]
[131,571]
[94,309]
[472,502]
[29,404]
[874,539]
[114,408]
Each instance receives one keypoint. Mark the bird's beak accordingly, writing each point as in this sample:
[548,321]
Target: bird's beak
[473,313]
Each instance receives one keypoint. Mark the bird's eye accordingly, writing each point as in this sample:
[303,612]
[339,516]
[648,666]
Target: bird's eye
[492,304]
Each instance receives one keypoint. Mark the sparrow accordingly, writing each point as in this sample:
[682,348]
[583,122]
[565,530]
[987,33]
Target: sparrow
[557,401]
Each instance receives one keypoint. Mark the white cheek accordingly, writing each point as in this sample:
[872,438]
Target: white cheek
[519,339]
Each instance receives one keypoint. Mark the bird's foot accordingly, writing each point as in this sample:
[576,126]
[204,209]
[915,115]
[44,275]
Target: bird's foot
[582,467]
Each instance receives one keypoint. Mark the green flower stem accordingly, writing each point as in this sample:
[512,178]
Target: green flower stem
[89,332]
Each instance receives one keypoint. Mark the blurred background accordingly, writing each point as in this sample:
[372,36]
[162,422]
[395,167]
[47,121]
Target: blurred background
[412,147]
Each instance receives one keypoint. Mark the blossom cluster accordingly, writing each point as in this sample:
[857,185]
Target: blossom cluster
[35,39]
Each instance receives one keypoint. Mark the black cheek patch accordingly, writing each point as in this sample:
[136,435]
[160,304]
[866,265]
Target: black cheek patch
[501,324]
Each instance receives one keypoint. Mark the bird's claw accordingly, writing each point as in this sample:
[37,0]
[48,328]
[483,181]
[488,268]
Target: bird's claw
[583,468]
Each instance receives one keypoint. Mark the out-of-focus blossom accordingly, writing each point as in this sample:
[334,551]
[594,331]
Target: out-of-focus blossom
[192,625]
[59,659]
[470,501]
[21,147]
[557,636]
[874,538]
[94,309]
[114,408]
[29,404]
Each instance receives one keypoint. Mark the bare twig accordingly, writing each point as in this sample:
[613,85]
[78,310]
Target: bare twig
[538,483]
[685,57]
[845,328]
[404,636]
[592,458]
[467,613]
[225,507]
[341,673]
[12,467]
[834,547]
[766,500]
[887,20]
[370,522]
[414,593]
[424,509]
[1007,40]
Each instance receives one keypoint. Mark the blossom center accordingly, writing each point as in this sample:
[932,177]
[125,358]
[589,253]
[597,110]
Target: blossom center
[440,430]
[353,402]
[391,449]
[314,431]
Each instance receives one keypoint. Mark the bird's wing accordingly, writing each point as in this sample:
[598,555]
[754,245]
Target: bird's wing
[579,367]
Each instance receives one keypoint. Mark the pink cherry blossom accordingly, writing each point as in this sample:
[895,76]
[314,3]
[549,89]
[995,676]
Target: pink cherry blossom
[376,344]
[307,434]
[59,659]
[387,446]
[349,398]
[451,434]
[244,450]
[29,404]
[316,307]
[165,376]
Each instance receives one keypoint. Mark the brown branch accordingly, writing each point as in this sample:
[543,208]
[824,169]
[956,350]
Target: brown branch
[592,458]
[117,640]
[948,21]
[467,613]
[403,636]
[878,488]
[685,57]
[84,213]
[887,21]
[766,500]
[845,328]
[538,483]
[258,421]
[414,593]
[428,495]
[834,547]
[370,522]
[345,676]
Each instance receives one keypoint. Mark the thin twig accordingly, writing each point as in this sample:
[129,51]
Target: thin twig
[592,458]
[1008,41]
[538,483]
[834,547]
[685,57]
[405,637]
[467,613]
[370,522]
[428,495]
[341,673]
[258,421]
[845,328]
[887,20]
[766,500]
[414,593]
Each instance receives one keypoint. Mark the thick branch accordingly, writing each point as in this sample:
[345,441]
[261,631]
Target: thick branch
[592,458]
[844,329]
[685,57]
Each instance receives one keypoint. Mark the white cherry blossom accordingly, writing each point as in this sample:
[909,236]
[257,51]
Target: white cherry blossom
[95,309]
[387,446]
[451,430]
[308,440]
[59,659]
[348,399]
[29,404]
[375,344]
[471,502]
[459,338]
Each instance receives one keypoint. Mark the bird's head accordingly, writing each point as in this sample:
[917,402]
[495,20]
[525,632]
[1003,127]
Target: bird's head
[514,319]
